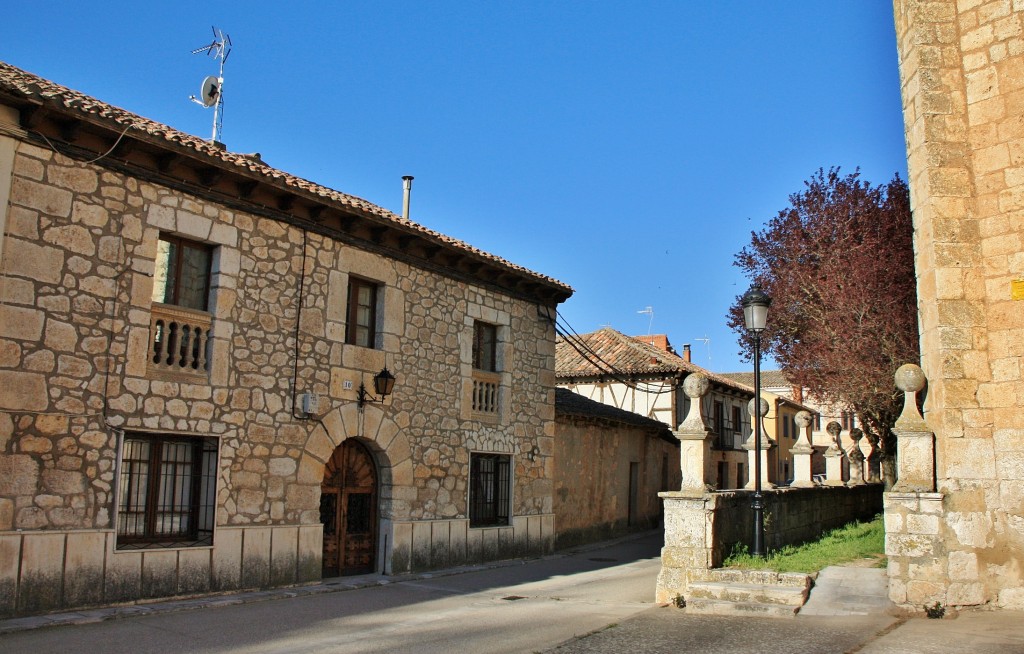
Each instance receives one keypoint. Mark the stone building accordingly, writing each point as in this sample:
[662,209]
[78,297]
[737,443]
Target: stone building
[610,465]
[956,536]
[188,344]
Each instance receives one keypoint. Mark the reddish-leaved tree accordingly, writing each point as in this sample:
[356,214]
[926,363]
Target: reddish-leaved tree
[838,264]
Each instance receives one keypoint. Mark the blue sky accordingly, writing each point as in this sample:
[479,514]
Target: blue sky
[627,149]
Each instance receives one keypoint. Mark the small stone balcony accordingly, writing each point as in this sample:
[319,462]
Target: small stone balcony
[179,342]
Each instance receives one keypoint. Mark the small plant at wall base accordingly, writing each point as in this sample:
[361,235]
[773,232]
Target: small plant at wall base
[857,540]
[679,601]
[936,611]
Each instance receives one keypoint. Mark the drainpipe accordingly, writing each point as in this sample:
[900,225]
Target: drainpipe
[406,195]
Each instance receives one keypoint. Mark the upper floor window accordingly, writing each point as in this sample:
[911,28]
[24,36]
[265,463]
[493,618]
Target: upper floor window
[737,422]
[485,346]
[849,420]
[182,273]
[361,326]
[167,491]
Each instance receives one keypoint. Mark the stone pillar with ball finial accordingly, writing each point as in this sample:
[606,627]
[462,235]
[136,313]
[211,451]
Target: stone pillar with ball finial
[694,439]
[856,458]
[834,456]
[915,442]
[766,444]
[802,451]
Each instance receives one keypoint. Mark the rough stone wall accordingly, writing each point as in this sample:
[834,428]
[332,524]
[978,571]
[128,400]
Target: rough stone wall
[75,302]
[962,73]
[591,478]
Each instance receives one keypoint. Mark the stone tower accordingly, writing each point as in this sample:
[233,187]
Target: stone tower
[962,77]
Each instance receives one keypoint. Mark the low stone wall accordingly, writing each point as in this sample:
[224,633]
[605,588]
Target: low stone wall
[431,544]
[701,530]
[44,571]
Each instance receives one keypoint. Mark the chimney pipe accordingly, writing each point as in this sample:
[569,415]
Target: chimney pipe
[686,352]
[406,195]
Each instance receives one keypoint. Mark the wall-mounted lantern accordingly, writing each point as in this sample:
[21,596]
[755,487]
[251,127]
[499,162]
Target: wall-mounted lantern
[383,384]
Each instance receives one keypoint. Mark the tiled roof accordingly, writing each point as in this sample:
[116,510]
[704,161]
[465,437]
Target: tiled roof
[769,378]
[568,403]
[32,90]
[610,353]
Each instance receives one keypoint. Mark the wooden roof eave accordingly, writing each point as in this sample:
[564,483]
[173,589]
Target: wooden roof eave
[180,166]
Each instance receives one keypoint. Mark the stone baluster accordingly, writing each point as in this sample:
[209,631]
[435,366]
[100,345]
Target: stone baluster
[695,439]
[856,457]
[915,442]
[766,444]
[802,451]
[874,460]
[834,456]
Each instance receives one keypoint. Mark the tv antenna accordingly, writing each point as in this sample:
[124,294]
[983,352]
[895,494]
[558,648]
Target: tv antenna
[707,343]
[650,312]
[211,93]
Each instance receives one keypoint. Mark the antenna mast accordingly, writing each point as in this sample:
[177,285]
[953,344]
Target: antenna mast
[650,312]
[213,87]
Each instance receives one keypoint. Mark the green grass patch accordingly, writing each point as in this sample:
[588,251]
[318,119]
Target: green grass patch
[857,540]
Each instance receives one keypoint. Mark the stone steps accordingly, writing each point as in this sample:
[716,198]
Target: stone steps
[725,607]
[744,592]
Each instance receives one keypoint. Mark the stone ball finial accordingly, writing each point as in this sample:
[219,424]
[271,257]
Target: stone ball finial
[696,385]
[833,428]
[802,419]
[764,407]
[910,378]
[856,434]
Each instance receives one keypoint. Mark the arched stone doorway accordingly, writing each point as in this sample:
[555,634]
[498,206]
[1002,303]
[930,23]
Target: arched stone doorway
[348,510]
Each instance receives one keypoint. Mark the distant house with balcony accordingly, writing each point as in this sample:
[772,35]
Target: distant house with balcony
[191,343]
[643,374]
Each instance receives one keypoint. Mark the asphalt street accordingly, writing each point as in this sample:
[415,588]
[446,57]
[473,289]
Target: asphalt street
[521,607]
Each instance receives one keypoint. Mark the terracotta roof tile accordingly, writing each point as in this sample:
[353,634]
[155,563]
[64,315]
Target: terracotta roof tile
[568,403]
[18,83]
[611,353]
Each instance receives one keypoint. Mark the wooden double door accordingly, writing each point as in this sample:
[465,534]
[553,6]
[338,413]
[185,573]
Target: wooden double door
[348,511]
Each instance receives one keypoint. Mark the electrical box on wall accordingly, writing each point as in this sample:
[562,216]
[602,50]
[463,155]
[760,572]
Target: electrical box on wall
[310,403]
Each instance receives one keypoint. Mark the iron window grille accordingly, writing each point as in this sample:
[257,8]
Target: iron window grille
[489,490]
[167,491]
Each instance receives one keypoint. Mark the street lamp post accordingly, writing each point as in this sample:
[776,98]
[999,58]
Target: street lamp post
[755,316]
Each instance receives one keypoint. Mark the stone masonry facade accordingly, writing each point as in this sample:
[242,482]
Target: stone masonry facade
[76,279]
[960,543]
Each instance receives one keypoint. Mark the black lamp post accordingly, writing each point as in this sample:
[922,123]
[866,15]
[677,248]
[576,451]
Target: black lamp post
[755,316]
[383,384]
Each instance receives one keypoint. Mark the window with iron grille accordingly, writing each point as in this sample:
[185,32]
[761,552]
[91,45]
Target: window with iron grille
[361,327]
[490,488]
[167,491]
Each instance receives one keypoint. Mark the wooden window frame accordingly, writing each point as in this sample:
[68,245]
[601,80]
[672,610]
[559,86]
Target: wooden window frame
[485,346]
[490,490]
[141,483]
[352,324]
[182,245]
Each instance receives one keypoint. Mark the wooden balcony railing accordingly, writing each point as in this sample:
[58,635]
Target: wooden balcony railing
[179,340]
[485,392]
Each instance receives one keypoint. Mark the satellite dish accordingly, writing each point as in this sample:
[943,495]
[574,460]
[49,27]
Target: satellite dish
[210,91]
